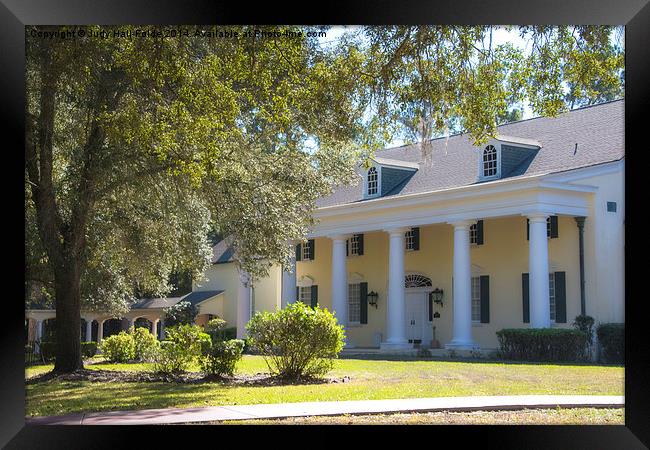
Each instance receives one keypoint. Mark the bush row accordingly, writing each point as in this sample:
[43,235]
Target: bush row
[612,341]
[542,344]
[48,350]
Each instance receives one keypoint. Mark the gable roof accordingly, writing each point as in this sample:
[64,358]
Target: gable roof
[222,252]
[598,131]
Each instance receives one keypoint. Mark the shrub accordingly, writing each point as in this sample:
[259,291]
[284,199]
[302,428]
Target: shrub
[119,348]
[221,357]
[542,344]
[215,328]
[612,340]
[88,349]
[182,313]
[146,343]
[298,340]
[183,345]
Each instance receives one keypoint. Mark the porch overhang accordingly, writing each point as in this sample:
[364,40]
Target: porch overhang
[485,200]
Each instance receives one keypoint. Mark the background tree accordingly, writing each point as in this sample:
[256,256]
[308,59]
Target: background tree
[135,147]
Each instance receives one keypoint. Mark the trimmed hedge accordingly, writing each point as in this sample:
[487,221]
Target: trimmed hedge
[542,344]
[611,337]
[221,357]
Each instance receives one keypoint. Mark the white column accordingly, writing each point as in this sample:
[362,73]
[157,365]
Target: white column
[540,310]
[243,304]
[89,330]
[340,280]
[395,338]
[289,283]
[154,328]
[163,335]
[462,295]
[39,335]
[100,330]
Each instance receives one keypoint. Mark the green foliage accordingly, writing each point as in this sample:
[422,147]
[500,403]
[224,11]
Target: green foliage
[297,341]
[119,348]
[221,357]
[182,313]
[146,344]
[183,345]
[586,324]
[611,337]
[542,344]
[88,349]
[215,328]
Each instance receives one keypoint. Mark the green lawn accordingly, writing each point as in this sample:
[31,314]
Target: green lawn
[369,379]
[558,416]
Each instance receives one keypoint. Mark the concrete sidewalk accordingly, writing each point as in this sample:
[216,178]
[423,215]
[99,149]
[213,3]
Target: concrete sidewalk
[279,410]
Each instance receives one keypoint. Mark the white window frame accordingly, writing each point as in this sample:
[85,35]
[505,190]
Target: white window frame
[476,298]
[551,296]
[354,245]
[409,240]
[354,303]
[473,234]
[306,252]
[304,291]
[377,168]
[481,171]
[372,184]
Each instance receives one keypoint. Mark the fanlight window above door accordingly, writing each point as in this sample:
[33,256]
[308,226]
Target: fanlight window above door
[415,280]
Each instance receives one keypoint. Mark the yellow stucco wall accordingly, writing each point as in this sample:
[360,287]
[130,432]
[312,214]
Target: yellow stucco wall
[503,257]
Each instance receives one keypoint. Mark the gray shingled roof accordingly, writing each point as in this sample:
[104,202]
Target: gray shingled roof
[598,130]
[222,252]
[193,297]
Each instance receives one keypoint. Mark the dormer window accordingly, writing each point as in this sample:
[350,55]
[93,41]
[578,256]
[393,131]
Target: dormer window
[373,184]
[489,161]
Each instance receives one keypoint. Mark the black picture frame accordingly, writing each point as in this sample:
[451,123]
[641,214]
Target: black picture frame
[15,14]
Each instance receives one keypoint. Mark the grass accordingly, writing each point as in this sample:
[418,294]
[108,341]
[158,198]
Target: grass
[369,380]
[557,416]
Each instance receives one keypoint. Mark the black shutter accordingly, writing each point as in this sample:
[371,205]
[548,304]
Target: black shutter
[299,252]
[430,306]
[554,233]
[312,249]
[347,247]
[527,229]
[525,296]
[297,294]
[363,302]
[485,299]
[560,297]
[314,296]
[360,240]
[479,232]
[416,238]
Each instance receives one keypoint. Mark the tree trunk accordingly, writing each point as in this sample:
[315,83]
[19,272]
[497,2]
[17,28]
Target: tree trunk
[68,319]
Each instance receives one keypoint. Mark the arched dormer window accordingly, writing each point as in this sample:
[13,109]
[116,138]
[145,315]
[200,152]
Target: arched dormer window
[489,161]
[372,181]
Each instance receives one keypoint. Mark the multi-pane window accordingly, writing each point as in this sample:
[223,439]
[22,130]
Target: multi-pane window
[489,161]
[476,299]
[304,294]
[409,239]
[551,294]
[473,234]
[354,303]
[548,227]
[306,252]
[372,181]
[354,245]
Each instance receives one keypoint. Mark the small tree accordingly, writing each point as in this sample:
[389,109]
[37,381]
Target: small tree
[182,313]
[298,341]
[215,328]
[183,345]
[145,343]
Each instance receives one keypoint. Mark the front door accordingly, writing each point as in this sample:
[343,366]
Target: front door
[415,302]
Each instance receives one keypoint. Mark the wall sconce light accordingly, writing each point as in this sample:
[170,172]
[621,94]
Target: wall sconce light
[436,296]
[372,298]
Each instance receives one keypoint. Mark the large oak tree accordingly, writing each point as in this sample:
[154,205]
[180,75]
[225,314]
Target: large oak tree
[136,148]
